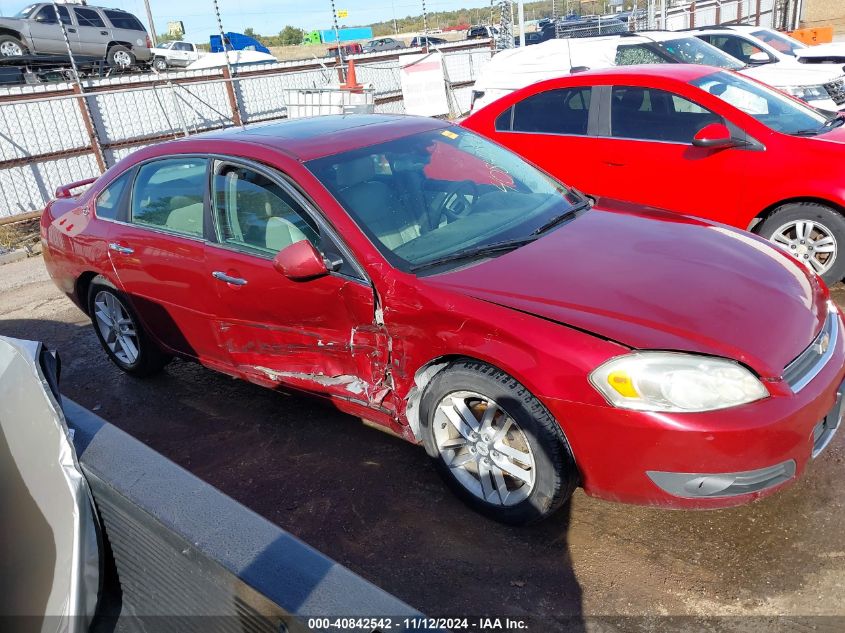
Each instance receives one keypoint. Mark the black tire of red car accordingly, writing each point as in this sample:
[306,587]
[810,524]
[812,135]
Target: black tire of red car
[150,358]
[830,218]
[9,43]
[556,473]
[116,54]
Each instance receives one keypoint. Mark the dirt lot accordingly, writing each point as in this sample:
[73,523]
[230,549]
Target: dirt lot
[375,504]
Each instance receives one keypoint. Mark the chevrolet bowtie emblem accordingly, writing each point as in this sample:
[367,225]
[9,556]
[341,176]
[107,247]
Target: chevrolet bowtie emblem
[822,344]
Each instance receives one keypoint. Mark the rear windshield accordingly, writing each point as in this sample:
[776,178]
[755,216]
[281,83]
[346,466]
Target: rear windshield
[121,20]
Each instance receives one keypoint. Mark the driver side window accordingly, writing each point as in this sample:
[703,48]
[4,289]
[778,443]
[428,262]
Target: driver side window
[254,214]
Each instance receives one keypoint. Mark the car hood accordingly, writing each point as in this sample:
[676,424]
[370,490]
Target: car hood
[794,74]
[655,280]
[830,49]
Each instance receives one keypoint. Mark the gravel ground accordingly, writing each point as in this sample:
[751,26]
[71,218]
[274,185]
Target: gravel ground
[375,503]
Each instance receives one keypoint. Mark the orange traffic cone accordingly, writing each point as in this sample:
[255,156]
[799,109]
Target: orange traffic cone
[351,80]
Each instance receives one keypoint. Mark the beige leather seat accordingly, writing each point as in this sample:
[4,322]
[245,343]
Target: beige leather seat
[185,215]
[282,233]
[377,206]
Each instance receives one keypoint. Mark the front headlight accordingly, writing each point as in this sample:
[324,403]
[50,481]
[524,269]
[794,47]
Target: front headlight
[807,93]
[672,381]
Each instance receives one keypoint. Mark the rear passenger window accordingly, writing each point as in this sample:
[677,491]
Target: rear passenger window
[88,17]
[169,195]
[123,20]
[504,120]
[562,111]
[254,214]
[107,203]
[637,54]
[656,115]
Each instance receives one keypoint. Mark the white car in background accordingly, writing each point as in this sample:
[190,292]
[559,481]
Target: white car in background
[822,86]
[779,46]
[175,55]
[784,62]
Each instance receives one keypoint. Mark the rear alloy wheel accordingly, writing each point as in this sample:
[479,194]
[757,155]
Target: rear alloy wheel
[11,47]
[813,234]
[121,334]
[120,57]
[495,444]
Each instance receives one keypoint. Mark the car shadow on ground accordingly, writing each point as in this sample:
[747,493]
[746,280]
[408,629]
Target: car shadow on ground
[367,499]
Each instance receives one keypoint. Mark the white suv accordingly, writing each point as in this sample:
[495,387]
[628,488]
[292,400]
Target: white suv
[780,61]
[820,85]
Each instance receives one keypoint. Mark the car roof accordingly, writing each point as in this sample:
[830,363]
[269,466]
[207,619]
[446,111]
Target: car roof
[680,72]
[315,137]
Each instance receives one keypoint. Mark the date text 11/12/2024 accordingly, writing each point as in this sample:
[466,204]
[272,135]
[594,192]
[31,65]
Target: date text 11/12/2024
[482,624]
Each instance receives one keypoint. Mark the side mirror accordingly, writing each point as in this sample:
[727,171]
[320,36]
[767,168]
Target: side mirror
[714,136]
[760,57]
[300,261]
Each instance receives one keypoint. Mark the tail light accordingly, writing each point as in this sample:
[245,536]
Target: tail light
[149,42]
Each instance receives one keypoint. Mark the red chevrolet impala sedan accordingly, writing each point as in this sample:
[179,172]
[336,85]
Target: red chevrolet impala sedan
[692,139]
[436,284]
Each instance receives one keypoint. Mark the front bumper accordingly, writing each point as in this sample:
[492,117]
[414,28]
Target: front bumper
[705,460]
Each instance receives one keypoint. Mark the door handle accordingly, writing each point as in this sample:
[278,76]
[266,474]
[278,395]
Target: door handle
[611,163]
[71,30]
[235,281]
[123,250]
[104,32]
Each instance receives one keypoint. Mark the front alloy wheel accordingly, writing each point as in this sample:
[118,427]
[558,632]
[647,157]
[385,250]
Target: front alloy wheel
[485,448]
[812,233]
[809,242]
[495,444]
[10,48]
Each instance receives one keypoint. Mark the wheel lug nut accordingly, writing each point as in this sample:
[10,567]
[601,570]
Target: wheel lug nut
[472,449]
[792,246]
[806,257]
[486,460]
[802,241]
[485,438]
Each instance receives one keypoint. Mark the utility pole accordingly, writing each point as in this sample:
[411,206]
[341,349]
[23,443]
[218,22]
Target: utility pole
[153,34]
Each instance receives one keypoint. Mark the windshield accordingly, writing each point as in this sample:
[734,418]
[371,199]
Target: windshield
[431,195]
[781,43]
[770,107]
[691,50]
[25,12]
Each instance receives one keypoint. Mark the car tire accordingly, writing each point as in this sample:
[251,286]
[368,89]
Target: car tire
[11,47]
[120,57]
[120,332]
[160,64]
[538,471]
[807,231]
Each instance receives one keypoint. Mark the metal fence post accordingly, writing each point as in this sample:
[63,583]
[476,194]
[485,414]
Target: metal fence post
[759,7]
[90,129]
[233,98]
[692,15]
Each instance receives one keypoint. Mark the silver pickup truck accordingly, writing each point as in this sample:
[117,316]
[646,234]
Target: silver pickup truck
[111,34]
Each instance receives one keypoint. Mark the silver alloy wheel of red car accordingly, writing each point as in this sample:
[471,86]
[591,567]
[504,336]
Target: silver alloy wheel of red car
[116,327]
[484,447]
[810,242]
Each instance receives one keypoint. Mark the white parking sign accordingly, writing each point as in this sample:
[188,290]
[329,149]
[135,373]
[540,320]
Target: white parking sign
[423,85]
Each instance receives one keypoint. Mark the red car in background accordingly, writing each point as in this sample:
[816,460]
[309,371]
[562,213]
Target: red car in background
[692,139]
[438,285]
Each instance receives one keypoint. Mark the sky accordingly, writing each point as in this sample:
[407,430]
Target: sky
[267,17]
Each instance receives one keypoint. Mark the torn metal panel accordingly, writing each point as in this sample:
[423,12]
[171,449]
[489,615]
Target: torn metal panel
[51,568]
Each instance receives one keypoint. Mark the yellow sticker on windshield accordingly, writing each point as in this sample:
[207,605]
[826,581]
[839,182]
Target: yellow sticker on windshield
[449,134]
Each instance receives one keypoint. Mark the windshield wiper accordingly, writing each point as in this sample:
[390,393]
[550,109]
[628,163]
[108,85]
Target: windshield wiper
[477,251]
[832,122]
[560,218]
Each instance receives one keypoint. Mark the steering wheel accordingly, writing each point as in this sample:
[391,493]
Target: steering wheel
[459,207]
